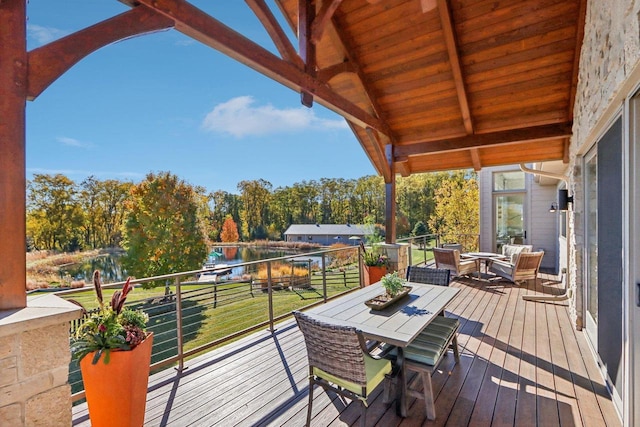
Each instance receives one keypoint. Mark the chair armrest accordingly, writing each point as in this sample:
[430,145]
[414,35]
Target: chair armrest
[503,263]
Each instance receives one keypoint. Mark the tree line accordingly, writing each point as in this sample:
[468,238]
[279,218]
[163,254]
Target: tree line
[65,215]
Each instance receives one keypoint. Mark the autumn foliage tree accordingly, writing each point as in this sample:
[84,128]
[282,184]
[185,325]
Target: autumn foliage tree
[457,211]
[54,216]
[229,231]
[162,232]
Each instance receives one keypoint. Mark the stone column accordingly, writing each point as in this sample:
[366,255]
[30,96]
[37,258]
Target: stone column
[34,363]
[398,254]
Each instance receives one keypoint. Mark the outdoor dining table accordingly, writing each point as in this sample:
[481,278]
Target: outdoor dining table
[487,257]
[398,324]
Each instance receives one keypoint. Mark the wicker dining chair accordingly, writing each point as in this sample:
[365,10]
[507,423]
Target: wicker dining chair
[432,276]
[340,362]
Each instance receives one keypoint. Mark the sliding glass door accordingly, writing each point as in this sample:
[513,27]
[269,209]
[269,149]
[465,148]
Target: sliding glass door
[509,208]
[591,217]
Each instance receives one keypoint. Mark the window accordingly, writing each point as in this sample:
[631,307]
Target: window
[508,181]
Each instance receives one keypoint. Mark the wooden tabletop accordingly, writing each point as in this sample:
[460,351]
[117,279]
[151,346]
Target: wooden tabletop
[397,324]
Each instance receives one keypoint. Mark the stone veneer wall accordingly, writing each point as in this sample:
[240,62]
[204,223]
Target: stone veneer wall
[398,254]
[34,363]
[610,51]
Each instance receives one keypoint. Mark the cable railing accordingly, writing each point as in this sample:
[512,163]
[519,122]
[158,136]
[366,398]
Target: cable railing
[189,317]
[421,247]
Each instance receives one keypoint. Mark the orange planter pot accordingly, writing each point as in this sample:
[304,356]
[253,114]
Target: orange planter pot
[117,392]
[373,274]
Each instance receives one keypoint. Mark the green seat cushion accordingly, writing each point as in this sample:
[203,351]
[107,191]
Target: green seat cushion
[376,370]
[429,345]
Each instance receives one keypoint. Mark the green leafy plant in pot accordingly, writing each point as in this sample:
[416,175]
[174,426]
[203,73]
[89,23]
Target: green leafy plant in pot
[112,327]
[115,389]
[393,284]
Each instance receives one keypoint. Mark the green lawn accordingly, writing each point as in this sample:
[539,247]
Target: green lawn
[210,313]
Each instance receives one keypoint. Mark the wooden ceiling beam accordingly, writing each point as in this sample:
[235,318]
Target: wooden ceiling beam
[306,16]
[50,61]
[454,60]
[323,19]
[275,31]
[475,159]
[535,133]
[200,26]
[403,168]
[380,154]
[326,74]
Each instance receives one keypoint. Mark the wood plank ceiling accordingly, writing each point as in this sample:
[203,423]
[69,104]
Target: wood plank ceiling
[424,84]
[456,84]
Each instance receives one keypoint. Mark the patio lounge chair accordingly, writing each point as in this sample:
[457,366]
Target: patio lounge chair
[450,259]
[457,246]
[340,362]
[525,267]
[511,251]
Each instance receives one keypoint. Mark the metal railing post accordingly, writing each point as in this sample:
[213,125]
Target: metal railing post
[270,293]
[324,277]
[179,331]
[360,272]
[410,260]
[425,242]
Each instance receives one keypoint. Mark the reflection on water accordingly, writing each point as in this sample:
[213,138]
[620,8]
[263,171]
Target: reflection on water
[110,265]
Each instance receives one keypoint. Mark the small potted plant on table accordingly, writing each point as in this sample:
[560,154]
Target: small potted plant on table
[114,352]
[394,287]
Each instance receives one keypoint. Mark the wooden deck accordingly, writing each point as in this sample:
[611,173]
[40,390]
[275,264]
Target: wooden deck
[522,364]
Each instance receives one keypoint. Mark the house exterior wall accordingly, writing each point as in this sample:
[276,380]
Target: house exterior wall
[609,56]
[609,74]
[541,225]
[325,240]
[485,182]
[544,224]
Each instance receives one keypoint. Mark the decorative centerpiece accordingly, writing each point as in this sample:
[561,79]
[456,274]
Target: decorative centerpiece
[395,289]
[375,264]
[116,386]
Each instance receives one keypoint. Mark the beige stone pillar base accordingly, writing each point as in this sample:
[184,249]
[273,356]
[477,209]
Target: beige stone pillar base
[34,362]
[398,254]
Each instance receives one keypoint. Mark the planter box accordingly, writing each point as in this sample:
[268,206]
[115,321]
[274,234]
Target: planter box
[382,301]
[373,274]
[117,392]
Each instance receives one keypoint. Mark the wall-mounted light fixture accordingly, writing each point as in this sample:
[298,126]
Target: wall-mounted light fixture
[563,201]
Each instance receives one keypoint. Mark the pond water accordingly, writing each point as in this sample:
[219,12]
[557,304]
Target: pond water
[110,265]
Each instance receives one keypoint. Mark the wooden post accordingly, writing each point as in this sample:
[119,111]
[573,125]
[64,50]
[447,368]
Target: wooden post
[390,199]
[13,89]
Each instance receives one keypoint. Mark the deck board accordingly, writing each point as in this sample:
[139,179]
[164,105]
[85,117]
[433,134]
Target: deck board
[522,363]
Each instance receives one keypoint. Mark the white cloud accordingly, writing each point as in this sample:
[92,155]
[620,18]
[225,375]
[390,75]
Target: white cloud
[239,117]
[44,35]
[72,142]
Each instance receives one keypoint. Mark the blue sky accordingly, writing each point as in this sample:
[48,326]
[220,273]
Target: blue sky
[162,102]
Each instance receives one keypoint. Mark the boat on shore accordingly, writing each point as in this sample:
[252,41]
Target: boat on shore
[211,272]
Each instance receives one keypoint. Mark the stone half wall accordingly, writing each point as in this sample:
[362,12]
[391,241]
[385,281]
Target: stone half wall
[610,52]
[398,254]
[34,363]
